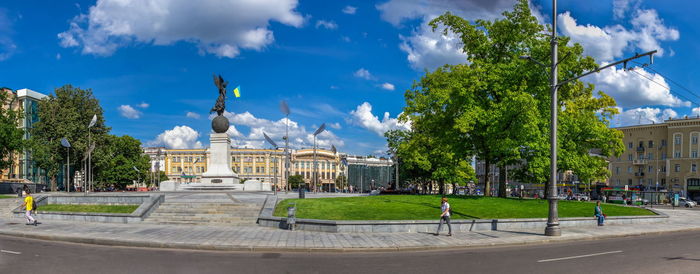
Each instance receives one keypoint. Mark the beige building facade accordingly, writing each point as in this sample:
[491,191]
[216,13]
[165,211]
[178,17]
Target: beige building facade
[660,156]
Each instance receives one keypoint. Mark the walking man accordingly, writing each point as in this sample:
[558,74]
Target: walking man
[445,217]
[29,206]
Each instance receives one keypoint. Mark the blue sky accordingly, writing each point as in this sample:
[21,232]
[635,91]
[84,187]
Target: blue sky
[343,63]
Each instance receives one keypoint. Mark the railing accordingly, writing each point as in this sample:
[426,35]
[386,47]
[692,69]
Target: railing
[639,162]
[640,149]
[639,174]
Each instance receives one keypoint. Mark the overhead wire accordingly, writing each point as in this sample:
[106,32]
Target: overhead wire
[664,86]
[668,78]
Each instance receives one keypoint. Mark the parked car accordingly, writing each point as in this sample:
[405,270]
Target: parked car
[583,197]
[682,201]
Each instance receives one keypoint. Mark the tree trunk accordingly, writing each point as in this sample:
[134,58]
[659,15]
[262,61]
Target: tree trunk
[53,183]
[487,182]
[454,188]
[502,183]
[441,187]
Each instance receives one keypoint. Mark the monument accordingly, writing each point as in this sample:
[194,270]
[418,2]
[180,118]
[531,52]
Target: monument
[219,174]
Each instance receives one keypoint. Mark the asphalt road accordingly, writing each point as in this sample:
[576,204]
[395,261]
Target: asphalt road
[665,253]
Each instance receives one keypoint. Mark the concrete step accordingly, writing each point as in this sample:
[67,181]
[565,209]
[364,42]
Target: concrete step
[7,205]
[200,214]
[203,219]
[198,223]
[171,209]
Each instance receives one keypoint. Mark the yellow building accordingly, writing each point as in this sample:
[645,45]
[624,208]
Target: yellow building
[664,156]
[265,165]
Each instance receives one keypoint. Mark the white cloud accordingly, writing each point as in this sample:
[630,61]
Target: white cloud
[610,42]
[631,89]
[335,125]
[362,116]
[620,7]
[388,86]
[58,56]
[220,27]
[299,137]
[326,24]
[143,105]
[345,39]
[426,49]
[129,112]
[7,45]
[349,10]
[180,137]
[696,111]
[645,115]
[193,115]
[363,73]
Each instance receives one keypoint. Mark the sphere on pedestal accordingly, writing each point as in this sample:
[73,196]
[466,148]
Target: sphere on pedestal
[219,124]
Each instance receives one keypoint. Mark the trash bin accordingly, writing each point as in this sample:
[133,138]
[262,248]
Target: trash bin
[291,217]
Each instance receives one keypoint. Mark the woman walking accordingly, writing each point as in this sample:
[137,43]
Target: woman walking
[599,214]
[445,217]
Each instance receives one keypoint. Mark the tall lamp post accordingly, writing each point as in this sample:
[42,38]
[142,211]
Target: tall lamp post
[285,109]
[91,147]
[269,140]
[138,175]
[66,144]
[318,131]
[552,228]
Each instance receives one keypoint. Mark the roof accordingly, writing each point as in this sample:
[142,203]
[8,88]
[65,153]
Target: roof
[25,92]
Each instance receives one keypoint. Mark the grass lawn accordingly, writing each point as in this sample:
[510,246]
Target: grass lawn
[89,208]
[427,207]
[7,196]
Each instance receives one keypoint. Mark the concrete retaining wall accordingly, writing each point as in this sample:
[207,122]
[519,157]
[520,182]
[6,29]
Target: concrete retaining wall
[266,219]
[148,204]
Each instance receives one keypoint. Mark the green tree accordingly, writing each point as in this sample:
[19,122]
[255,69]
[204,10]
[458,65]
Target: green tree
[65,114]
[491,106]
[10,135]
[116,160]
[295,180]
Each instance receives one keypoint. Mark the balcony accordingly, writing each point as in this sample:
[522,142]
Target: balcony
[639,174]
[640,149]
[639,162]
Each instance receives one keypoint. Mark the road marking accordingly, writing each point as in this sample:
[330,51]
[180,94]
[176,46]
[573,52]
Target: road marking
[579,256]
[11,252]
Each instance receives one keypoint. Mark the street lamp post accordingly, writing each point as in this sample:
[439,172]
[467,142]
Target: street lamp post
[553,217]
[269,140]
[285,109]
[66,144]
[318,131]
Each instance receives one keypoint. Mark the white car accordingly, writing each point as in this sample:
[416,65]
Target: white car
[682,201]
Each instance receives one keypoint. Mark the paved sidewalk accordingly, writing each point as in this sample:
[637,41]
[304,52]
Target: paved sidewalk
[254,238]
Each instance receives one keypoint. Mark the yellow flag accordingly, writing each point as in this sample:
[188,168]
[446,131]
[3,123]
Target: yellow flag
[237,91]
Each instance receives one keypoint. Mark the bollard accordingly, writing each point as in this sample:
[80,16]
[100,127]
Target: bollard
[291,217]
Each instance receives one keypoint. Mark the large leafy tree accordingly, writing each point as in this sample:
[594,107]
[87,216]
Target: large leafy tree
[10,134]
[120,161]
[65,114]
[496,106]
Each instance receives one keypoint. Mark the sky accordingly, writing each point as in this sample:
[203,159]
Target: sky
[343,63]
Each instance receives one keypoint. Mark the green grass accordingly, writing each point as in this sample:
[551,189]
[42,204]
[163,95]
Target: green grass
[427,207]
[89,208]
[7,196]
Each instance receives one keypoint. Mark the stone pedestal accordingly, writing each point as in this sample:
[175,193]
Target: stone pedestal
[219,171]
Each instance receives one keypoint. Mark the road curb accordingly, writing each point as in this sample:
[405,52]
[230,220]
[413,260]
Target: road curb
[269,249]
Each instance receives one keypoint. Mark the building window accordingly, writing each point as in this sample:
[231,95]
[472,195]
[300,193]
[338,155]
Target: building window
[663,155]
[693,167]
[694,139]
[677,139]
[629,144]
[617,170]
[677,168]
[650,156]
[629,169]
[629,157]
[663,168]
[651,144]
[651,169]
[174,169]
[248,169]
[663,182]
[663,142]
[640,156]
[694,154]
[677,154]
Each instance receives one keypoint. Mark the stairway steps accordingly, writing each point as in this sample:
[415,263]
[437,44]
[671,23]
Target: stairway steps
[204,214]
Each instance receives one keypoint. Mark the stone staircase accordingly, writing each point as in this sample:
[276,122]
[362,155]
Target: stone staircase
[7,205]
[228,214]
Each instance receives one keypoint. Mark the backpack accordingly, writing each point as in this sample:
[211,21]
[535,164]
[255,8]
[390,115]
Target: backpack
[34,206]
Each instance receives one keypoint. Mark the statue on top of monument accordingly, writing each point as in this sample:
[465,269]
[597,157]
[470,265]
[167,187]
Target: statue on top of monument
[221,101]
[220,124]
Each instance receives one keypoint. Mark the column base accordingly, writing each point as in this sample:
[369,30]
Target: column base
[553,230]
